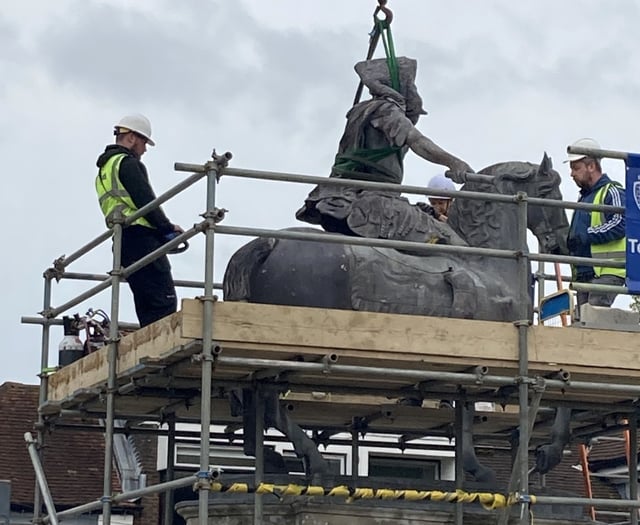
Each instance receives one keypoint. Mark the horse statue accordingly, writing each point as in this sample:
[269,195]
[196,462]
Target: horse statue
[331,275]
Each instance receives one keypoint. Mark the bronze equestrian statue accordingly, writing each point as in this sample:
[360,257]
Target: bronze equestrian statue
[378,134]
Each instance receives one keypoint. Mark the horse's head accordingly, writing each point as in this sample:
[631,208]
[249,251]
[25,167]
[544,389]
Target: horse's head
[548,224]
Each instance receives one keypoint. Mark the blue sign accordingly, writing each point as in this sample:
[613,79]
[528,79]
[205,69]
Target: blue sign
[632,215]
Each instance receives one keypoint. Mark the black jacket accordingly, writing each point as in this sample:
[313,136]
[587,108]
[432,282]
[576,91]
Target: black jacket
[134,178]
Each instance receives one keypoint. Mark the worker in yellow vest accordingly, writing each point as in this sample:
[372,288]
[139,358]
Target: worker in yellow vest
[123,184]
[593,233]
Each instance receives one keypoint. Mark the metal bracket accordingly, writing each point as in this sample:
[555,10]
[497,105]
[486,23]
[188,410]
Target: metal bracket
[57,271]
[218,163]
[480,371]
[327,361]
[216,215]
[539,384]
[523,498]
[203,481]
[521,196]
[204,298]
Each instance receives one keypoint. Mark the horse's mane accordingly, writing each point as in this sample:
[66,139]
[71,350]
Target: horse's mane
[478,221]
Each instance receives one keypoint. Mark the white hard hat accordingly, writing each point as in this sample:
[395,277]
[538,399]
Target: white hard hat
[440,182]
[582,143]
[137,123]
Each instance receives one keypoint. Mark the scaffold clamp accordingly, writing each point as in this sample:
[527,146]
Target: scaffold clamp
[524,498]
[218,163]
[216,215]
[539,384]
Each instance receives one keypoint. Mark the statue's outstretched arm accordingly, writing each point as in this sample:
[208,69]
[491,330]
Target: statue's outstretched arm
[430,151]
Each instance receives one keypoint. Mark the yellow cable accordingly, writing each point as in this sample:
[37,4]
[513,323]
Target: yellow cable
[488,500]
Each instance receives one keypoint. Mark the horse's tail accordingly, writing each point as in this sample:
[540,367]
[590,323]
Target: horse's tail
[242,265]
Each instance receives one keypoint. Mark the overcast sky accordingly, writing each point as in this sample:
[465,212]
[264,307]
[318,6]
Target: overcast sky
[271,81]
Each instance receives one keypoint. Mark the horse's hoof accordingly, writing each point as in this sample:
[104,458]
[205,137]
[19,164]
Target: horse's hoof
[274,462]
[322,479]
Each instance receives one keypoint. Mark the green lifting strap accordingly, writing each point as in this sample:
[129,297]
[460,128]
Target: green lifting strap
[384,28]
[353,164]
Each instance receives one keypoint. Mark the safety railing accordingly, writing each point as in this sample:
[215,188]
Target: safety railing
[210,226]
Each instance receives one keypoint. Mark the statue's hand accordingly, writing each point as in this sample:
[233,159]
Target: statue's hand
[457,172]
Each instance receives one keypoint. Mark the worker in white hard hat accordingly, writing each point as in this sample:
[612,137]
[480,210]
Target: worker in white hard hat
[123,186]
[593,233]
[438,206]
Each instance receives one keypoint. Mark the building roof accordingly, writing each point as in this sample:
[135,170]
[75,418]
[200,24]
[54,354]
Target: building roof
[73,460]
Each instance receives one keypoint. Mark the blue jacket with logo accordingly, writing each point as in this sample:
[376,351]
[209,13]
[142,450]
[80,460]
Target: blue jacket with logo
[582,235]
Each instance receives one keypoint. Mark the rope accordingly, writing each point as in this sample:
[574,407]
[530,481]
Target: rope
[488,500]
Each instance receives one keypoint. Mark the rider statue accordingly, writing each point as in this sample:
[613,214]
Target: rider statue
[377,136]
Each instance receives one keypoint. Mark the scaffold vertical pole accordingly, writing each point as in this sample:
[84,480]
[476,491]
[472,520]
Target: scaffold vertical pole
[259,458]
[171,450]
[633,466]
[459,466]
[523,354]
[207,347]
[44,386]
[112,357]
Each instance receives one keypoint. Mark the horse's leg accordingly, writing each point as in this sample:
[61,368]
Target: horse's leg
[314,464]
[549,455]
[470,461]
[465,296]
[273,462]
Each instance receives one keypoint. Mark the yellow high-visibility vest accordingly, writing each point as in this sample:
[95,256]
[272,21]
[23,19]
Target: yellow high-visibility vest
[111,193]
[615,250]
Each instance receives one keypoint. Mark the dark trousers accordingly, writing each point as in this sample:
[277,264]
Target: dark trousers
[154,294]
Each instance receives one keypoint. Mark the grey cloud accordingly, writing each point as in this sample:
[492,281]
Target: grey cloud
[109,54]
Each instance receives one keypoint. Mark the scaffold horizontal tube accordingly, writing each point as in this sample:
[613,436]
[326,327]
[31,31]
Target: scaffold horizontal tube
[598,153]
[590,287]
[417,375]
[409,245]
[77,276]
[586,502]
[58,322]
[385,186]
[125,496]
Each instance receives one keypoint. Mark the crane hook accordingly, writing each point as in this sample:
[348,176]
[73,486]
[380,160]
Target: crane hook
[388,14]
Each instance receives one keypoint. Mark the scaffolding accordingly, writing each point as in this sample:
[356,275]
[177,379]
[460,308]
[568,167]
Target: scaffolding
[607,398]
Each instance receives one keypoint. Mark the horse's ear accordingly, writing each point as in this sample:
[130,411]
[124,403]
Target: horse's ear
[546,166]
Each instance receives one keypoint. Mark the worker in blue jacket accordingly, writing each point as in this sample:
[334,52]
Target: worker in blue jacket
[596,234]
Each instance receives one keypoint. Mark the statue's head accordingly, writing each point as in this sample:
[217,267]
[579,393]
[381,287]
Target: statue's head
[375,75]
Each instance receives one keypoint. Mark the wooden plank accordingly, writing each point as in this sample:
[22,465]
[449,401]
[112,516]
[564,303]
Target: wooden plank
[92,370]
[257,329]
[577,347]
[325,330]
[363,338]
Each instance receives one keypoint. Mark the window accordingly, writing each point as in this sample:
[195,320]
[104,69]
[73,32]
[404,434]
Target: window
[403,467]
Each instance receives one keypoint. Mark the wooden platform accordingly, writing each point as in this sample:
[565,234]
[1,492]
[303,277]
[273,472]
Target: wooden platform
[159,369]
